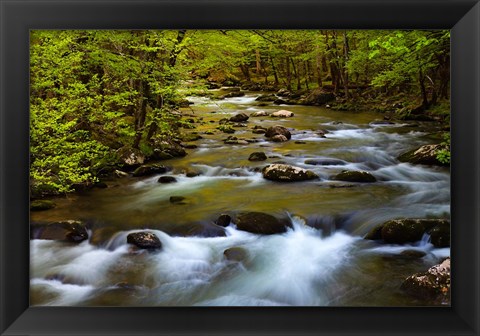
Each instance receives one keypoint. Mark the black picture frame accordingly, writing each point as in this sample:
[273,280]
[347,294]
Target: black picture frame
[17,17]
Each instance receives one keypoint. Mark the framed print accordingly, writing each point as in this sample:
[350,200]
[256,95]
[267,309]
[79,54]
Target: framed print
[275,167]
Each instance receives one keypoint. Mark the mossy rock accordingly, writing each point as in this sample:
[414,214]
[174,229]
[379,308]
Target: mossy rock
[287,173]
[42,205]
[226,129]
[426,155]
[150,169]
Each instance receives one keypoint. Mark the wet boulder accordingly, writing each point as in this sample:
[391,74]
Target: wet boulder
[259,114]
[233,140]
[42,205]
[167,179]
[409,230]
[234,94]
[432,286]
[279,138]
[223,220]
[178,200]
[287,173]
[355,176]
[150,169]
[278,130]
[402,231]
[440,234]
[144,240]
[266,98]
[261,223]
[325,162]
[240,117]
[238,254]
[283,93]
[382,123]
[198,229]
[67,230]
[167,149]
[426,155]
[257,156]
[130,157]
[282,114]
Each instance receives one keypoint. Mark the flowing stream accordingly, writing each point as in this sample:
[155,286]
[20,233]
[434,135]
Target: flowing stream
[321,261]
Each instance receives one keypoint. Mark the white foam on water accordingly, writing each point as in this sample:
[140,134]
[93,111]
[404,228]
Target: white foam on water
[63,294]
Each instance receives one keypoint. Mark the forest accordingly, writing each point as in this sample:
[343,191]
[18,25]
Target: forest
[240,168]
[96,95]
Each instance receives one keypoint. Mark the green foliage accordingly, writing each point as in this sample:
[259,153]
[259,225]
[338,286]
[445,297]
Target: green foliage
[93,92]
[443,155]
[226,129]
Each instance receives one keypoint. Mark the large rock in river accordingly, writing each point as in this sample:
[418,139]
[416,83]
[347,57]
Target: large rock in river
[426,155]
[144,240]
[67,230]
[279,138]
[282,114]
[260,223]
[151,169]
[325,162]
[260,114]
[278,130]
[287,173]
[433,285]
[167,149]
[409,230]
[41,205]
[241,117]
[355,176]
[257,156]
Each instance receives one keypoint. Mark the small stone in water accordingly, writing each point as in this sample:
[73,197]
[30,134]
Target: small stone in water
[177,199]
[167,179]
[144,240]
[223,220]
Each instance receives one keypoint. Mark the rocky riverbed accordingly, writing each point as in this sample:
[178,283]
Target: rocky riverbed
[256,205]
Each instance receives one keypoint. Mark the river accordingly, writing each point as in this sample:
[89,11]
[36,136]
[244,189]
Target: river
[321,261]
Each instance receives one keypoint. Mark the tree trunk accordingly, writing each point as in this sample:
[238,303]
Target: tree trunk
[274,69]
[421,79]
[141,113]
[176,50]
[344,70]
[318,70]
[289,74]
[296,74]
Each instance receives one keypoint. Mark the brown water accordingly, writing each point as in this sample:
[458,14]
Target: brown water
[326,265]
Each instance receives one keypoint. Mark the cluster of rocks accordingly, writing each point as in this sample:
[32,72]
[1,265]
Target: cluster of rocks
[432,286]
[410,230]
[73,231]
